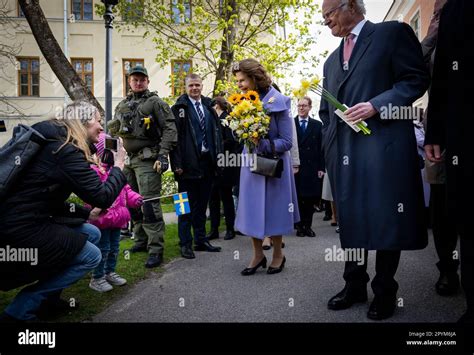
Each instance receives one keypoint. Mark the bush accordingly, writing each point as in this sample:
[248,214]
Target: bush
[168,187]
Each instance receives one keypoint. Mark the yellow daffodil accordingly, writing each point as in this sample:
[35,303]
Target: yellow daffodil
[305,84]
[315,81]
[245,135]
[255,135]
[297,93]
[245,106]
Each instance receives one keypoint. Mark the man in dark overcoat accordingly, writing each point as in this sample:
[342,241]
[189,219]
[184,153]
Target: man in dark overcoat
[309,177]
[378,72]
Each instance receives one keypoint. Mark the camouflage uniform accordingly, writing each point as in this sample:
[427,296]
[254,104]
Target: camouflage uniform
[147,127]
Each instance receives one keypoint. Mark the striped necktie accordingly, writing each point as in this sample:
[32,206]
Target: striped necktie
[202,124]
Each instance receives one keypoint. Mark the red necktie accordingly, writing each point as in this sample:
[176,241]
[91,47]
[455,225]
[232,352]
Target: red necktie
[348,47]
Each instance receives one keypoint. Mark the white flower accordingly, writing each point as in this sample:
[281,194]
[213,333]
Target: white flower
[271,100]
[225,123]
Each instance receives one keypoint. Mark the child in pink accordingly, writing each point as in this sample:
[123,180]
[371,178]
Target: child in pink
[110,222]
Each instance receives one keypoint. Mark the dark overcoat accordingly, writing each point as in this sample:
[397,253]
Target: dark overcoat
[376,179]
[308,184]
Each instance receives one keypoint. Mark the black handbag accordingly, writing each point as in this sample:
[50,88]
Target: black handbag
[270,165]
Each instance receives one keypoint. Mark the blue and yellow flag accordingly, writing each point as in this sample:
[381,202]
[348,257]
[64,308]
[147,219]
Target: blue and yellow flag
[181,203]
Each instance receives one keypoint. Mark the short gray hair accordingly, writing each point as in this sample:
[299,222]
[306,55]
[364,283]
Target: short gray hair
[192,76]
[360,6]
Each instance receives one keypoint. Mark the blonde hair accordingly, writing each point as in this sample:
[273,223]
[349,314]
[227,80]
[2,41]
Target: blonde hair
[74,120]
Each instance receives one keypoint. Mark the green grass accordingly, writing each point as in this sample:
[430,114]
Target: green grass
[92,302]
[168,208]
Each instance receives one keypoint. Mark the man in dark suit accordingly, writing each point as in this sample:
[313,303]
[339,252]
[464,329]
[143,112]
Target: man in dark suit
[450,128]
[194,162]
[309,177]
[378,72]
[222,186]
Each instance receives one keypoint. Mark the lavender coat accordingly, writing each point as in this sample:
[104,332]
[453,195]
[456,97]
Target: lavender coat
[268,206]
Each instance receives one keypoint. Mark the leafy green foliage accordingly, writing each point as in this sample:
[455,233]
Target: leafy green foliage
[214,34]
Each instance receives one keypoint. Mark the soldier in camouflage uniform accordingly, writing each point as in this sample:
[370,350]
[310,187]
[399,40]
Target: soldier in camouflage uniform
[147,127]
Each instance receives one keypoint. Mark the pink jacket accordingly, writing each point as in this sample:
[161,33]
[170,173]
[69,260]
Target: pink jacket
[117,215]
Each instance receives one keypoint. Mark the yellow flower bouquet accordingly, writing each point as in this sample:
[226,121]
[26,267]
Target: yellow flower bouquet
[247,119]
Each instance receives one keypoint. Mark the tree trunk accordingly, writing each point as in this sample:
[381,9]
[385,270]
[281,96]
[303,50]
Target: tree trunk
[227,53]
[54,55]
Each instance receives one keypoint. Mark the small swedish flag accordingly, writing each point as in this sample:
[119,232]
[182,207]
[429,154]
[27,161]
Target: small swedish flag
[181,203]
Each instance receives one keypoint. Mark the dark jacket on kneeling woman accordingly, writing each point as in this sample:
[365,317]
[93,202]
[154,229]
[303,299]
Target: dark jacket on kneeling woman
[35,214]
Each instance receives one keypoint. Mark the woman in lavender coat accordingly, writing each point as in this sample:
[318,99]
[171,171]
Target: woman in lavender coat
[267,206]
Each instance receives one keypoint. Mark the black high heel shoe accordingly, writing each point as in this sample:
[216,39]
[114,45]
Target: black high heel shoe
[276,270]
[251,270]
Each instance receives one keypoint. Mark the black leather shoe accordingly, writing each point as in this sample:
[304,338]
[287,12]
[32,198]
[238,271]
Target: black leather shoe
[347,297]
[137,249]
[230,234]
[239,233]
[214,234]
[276,270]
[382,308]
[251,270]
[448,283]
[187,252]
[206,246]
[309,232]
[300,232]
[154,260]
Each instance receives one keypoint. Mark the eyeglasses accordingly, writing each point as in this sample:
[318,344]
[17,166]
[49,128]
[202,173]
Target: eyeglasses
[331,12]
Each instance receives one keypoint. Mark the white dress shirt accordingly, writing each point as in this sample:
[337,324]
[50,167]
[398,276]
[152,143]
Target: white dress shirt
[357,29]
